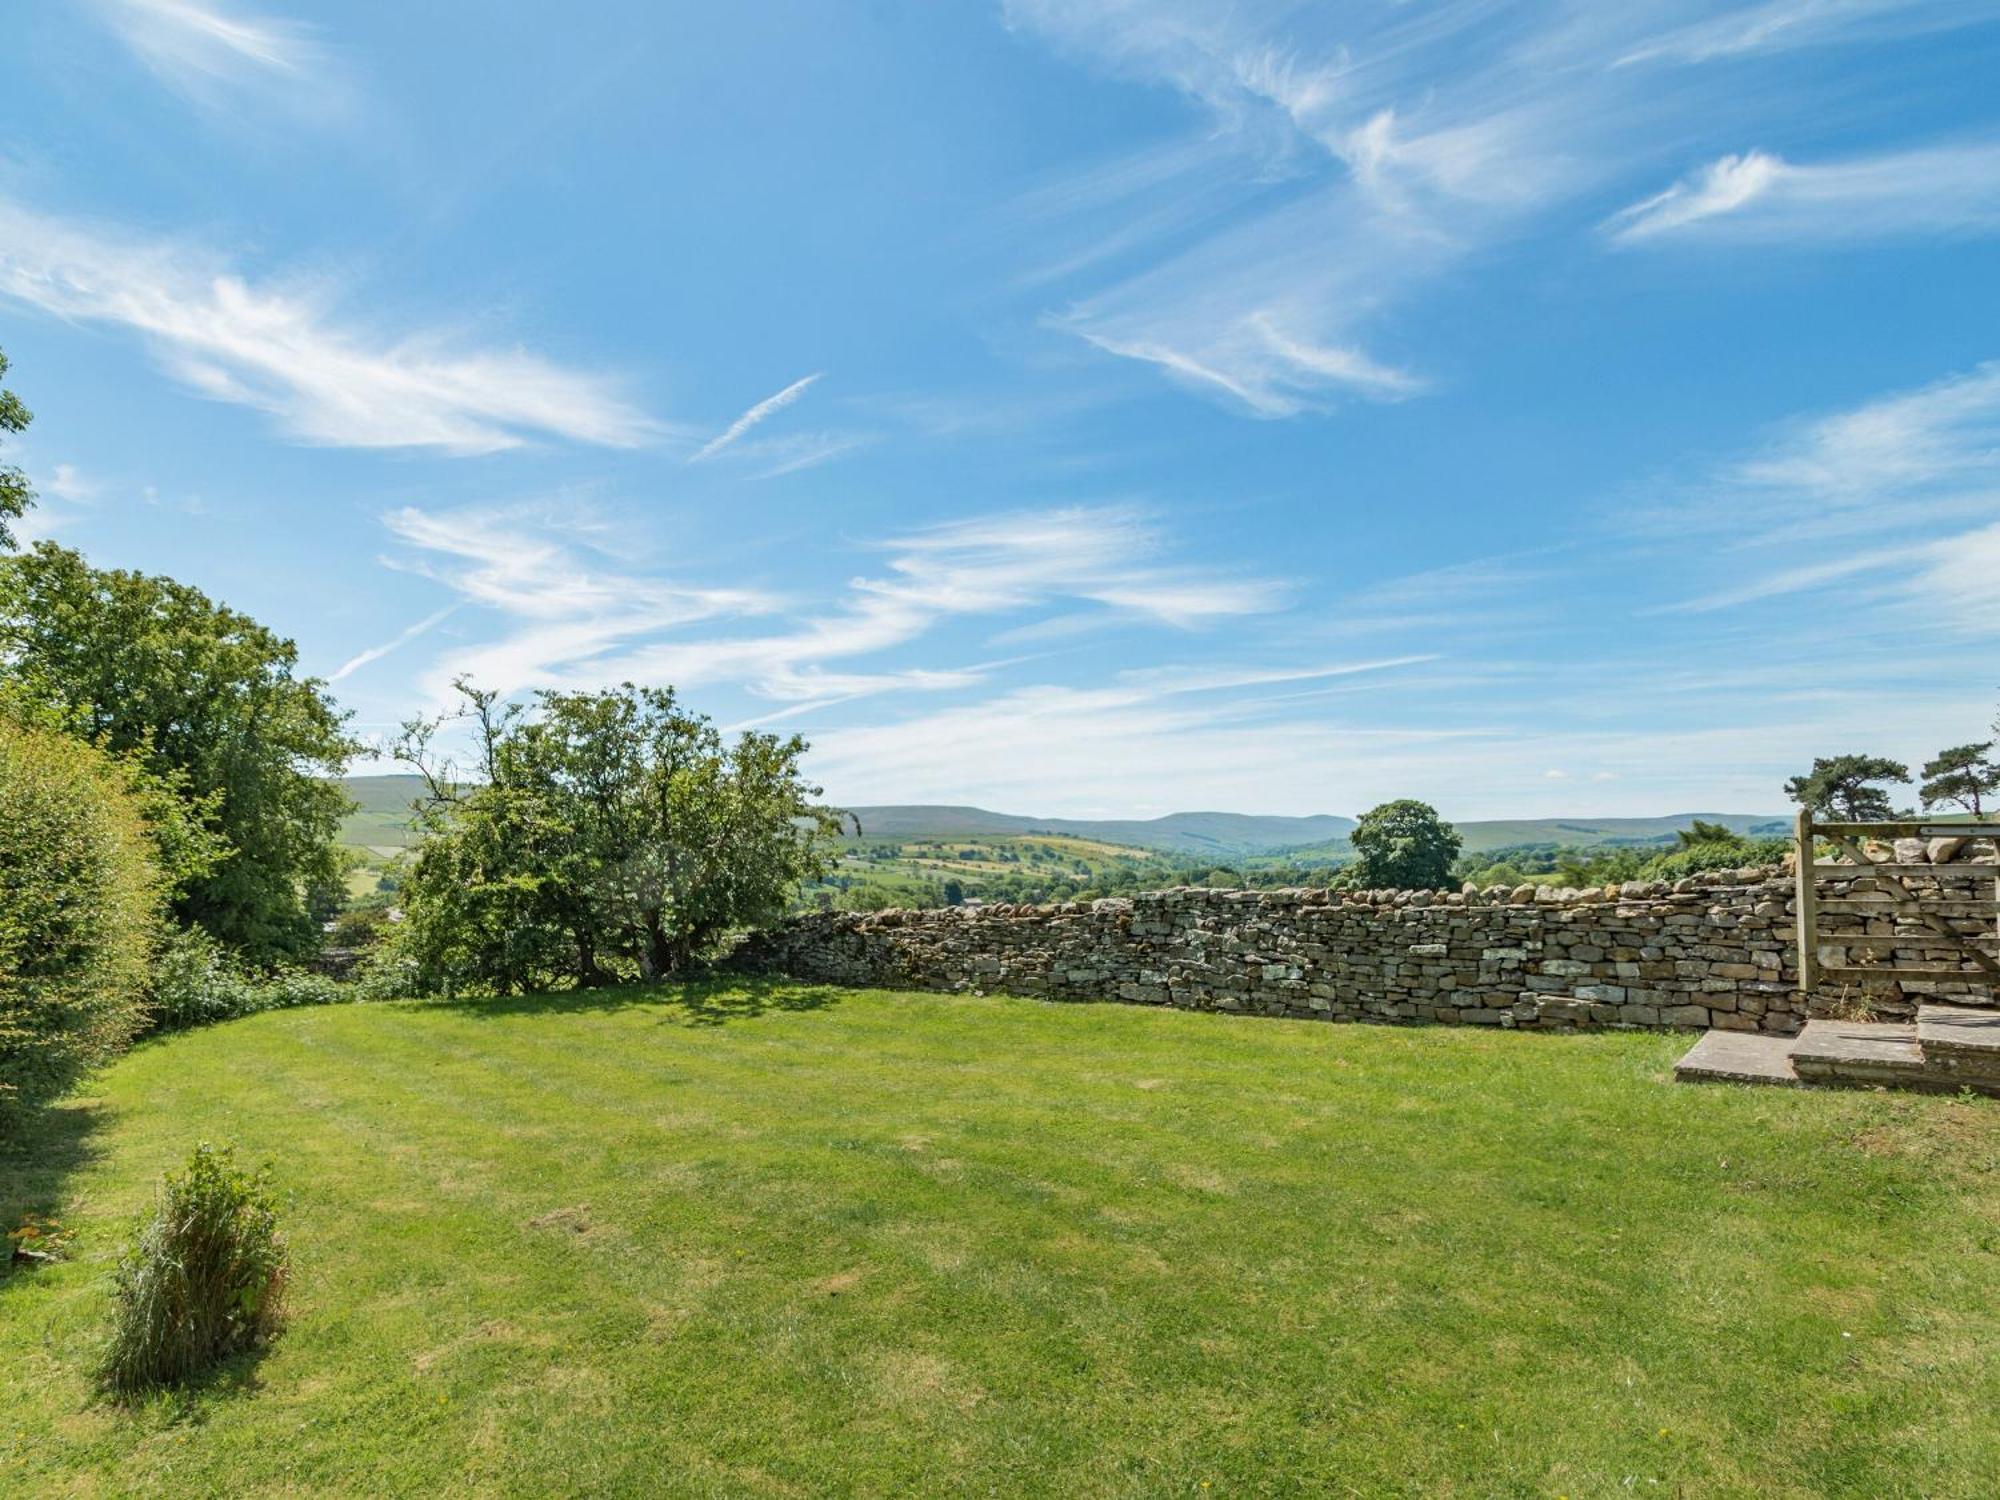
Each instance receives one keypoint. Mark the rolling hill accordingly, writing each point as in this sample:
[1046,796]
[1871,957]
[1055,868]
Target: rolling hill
[1194,833]
[381,820]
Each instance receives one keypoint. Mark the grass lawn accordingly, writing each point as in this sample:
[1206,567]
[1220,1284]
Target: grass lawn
[774,1240]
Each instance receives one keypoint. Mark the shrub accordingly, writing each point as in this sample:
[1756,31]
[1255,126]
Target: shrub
[204,1280]
[79,902]
[1717,854]
[196,983]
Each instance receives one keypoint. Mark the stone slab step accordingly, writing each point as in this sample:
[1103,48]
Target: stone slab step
[1739,1057]
[1884,1052]
[1959,1028]
[1961,1044]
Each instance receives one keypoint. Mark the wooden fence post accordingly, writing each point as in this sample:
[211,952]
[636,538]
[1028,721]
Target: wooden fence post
[1808,907]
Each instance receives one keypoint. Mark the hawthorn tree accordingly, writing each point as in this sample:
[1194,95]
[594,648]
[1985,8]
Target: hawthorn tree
[600,837]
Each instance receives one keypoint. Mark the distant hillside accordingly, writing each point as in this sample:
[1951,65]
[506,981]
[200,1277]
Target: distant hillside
[1319,836]
[1585,832]
[1195,833]
[382,821]
[381,818]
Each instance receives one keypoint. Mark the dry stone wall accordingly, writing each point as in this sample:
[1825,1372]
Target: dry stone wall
[1711,950]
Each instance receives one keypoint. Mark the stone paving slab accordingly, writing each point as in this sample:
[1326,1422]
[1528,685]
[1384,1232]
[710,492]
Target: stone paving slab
[1959,1028]
[1859,1052]
[1961,1045]
[1739,1057]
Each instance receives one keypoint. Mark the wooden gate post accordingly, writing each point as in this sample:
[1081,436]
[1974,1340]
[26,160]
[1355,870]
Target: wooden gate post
[1808,906]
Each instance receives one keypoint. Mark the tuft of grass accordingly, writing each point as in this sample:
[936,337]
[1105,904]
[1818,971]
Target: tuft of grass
[205,1279]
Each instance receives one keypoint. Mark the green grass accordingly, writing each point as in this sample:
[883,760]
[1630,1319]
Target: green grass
[787,1241]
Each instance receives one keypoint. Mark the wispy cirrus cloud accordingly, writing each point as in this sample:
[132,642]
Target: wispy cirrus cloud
[219,58]
[1367,152]
[287,349]
[768,407]
[1779,25]
[395,643]
[1357,155]
[1869,503]
[1759,196]
[578,623]
[537,566]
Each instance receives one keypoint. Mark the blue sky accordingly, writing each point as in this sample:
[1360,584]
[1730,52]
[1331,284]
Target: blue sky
[1109,406]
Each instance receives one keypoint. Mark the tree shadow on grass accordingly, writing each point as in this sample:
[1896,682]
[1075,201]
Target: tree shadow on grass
[695,1002]
[36,1167]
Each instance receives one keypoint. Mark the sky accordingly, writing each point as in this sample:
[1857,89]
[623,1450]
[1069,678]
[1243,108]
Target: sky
[1072,407]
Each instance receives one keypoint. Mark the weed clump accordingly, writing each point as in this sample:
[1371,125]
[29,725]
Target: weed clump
[204,1280]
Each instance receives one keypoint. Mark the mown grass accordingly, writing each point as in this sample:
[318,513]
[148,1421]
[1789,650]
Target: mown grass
[772,1240]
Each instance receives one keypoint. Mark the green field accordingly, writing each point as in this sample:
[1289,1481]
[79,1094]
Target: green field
[784,1241]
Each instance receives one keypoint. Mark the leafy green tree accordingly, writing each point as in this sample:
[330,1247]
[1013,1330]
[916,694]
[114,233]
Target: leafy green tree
[209,702]
[15,496]
[604,835]
[1403,845]
[1843,788]
[954,892]
[1962,776]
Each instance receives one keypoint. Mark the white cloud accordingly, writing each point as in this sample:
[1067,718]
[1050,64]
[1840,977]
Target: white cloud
[217,57]
[580,625]
[1781,24]
[1055,750]
[788,455]
[1915,446]
[532,566]
[1135,750]
[1760,196]
[763,409]
[402,638]
[1719,188]
[1271,372]
[66,482]
[1959,579]
[1357,155]
[286,349]
[1866,503]
[1373,148]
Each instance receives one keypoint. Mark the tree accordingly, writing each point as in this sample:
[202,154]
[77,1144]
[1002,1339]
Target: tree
[1843,788]
[954,892]
[1403,845]
[1706,833]
[604,835]
[1961,776]
[15,495]
[206,699]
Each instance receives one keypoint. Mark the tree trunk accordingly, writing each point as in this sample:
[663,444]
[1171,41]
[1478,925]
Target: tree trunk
[659,950]
[589,974]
